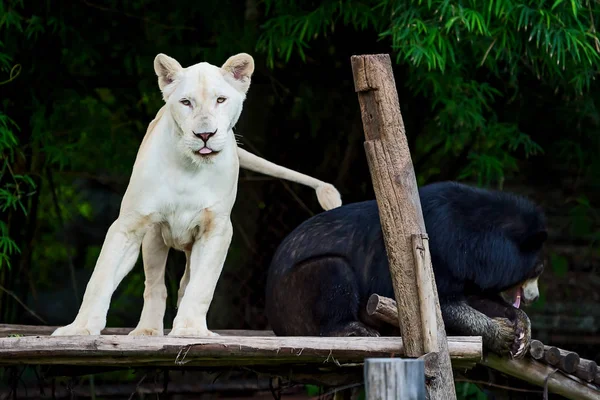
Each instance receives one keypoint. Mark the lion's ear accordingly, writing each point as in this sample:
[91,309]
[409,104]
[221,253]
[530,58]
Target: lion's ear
[166,69]
[238,69]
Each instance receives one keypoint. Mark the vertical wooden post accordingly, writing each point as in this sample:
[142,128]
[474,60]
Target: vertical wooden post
[394,378]
[402,223]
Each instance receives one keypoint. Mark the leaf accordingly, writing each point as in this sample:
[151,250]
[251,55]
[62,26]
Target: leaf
[556,3]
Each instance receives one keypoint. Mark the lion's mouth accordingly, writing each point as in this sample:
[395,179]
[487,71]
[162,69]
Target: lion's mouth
[206,151]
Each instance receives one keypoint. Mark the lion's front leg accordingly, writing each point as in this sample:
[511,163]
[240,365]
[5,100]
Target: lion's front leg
[185,279]
[154,257]
[119,253]
[206,263]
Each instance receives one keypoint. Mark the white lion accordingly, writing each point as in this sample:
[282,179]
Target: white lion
[180,195]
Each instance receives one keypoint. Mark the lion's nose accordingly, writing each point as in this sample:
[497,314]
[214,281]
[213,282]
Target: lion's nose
[205,135]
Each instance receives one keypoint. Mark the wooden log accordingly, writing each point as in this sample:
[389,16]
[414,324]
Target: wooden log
[394,378]
[534,372]
[383,309]
[565,360]
[43,330]
[551,355]
[536,349]
[568,361]
[119,350]
[528,370]
[586,370]
[397,196]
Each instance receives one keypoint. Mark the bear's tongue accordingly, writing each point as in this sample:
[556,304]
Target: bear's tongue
[517,302]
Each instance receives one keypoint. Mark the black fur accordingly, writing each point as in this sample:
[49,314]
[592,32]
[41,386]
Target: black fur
[482,242]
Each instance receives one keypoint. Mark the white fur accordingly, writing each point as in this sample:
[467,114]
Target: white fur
[178,198]
[531,291]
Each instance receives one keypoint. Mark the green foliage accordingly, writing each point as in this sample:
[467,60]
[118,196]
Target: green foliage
[469,391]
[453,50]
[14,186]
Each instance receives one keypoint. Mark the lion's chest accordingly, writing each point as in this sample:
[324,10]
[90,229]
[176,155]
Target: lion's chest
[185,214]
[181,230]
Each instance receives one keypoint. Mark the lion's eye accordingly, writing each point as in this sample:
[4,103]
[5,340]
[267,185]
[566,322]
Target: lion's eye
[185,102]
[221,100]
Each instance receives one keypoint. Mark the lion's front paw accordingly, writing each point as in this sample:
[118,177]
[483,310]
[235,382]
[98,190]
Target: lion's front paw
[146,332]
[73,330]
[193,332]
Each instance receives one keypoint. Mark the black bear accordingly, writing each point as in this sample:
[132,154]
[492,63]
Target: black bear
[485,248]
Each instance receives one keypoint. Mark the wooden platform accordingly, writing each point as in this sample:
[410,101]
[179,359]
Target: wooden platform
[243,349]
[321,360]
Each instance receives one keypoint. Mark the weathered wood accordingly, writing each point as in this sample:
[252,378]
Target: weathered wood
[586,370]
[569,361]
[119,350]
[397,196]
[536,349]
[394,378]
[551,355]
[420,248]
[42,330]
[528,370]
[395,186]
[534,372]
[383,309]
[565,360]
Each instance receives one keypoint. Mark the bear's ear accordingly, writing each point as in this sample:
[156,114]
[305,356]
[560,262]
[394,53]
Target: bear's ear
[534,241]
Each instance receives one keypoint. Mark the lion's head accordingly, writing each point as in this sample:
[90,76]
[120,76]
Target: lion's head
[204,100]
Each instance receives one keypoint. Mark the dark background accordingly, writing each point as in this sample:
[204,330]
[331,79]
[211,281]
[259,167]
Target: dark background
[482,95]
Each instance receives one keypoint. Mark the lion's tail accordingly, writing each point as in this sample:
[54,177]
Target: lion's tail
[327,194]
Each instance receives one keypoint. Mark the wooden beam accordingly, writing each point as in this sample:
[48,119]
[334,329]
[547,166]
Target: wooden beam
[528,369]
[117,350]
[43,330]
[536,373]
[401,218]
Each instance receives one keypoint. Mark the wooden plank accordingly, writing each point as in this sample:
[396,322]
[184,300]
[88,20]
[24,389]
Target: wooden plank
[394,378]
[422,256]
[42,330]
[401,216]
[115,350]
